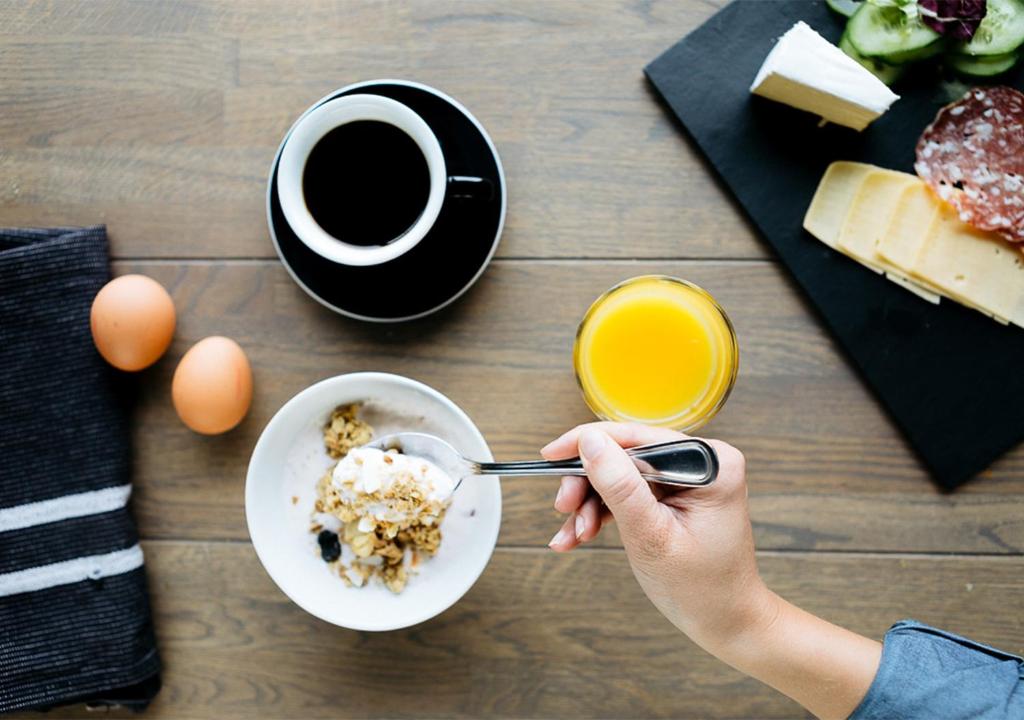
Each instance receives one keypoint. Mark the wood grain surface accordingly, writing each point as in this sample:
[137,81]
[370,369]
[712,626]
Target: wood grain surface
[827,469]
[161,119]
[540,635]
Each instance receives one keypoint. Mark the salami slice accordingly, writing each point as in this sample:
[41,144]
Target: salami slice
[972,155]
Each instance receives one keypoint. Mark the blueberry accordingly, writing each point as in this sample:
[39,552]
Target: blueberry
[330,548]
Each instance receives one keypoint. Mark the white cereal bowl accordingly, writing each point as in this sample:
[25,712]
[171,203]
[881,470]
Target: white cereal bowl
[288,460]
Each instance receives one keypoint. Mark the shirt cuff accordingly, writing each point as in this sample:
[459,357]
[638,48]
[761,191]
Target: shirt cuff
[930,673]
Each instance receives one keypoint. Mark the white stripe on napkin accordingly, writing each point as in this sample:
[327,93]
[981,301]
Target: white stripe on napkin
[62,508]
[92,567]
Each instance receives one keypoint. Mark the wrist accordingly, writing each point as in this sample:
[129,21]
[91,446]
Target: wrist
[825,668]
[736,627]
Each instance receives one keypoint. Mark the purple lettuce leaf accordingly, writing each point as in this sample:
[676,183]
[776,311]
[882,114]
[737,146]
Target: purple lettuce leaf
[958,19]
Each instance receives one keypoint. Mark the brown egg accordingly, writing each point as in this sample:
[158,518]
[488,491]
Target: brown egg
[212,386]
[132,321]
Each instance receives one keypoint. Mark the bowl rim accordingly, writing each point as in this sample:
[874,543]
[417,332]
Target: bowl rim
[272,426]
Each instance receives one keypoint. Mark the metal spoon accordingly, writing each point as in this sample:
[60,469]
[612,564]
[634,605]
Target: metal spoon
[680,463]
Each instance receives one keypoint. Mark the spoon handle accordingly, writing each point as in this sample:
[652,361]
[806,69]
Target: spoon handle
[683,463]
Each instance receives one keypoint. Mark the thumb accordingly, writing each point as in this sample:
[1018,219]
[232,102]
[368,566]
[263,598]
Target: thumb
[615,478]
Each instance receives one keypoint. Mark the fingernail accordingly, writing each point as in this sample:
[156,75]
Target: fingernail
[560,537]
[561,490]
[591,442]
[580,526]
[545,448]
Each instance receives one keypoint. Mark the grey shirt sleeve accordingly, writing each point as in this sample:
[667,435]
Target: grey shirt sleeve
[929,673]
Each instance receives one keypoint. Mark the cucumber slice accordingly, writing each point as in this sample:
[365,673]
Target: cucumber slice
[889,34]
[846,8]
[1001,32]
[982,65]
[882,70]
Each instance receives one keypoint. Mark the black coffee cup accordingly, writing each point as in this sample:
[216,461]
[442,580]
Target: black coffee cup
[362,179]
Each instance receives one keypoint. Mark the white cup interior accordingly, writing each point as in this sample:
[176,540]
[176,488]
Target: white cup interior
[309,130]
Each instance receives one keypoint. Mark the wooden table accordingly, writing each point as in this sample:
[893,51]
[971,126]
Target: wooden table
[161,120]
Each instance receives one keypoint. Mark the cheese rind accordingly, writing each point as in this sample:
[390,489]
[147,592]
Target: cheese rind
[917,288]
[808,72]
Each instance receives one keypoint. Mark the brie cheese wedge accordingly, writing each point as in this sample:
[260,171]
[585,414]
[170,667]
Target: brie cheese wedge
[808,72]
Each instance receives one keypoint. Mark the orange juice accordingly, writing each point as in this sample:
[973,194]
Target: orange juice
[656,350]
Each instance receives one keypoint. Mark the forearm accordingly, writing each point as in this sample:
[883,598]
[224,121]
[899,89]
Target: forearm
[825,668]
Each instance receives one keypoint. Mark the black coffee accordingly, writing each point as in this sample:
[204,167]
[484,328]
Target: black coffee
[366,182]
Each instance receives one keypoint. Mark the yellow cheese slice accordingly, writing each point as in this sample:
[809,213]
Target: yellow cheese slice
[922,246]
[897,248]
[871,209]
[832,199]
[830,207]
[905,236]
[973,266]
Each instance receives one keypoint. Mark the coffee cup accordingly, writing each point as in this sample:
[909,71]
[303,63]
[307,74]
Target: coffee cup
[362,179]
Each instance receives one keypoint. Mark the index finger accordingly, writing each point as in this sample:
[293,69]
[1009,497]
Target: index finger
[625,434]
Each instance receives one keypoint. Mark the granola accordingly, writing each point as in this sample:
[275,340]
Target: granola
[345,431]
[390,506]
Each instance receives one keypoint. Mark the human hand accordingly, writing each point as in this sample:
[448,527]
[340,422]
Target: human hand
[692,549]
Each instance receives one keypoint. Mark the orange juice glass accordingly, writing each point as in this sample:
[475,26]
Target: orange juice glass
[656,350]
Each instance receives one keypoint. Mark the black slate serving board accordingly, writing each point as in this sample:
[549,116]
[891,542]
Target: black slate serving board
[951,378]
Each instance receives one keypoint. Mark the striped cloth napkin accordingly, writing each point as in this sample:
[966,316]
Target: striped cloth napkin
[75,623]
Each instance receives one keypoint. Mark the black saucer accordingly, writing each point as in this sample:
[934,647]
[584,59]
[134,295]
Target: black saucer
[446,262]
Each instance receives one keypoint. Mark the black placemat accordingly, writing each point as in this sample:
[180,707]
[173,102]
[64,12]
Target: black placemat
[949,376]
[75,622]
